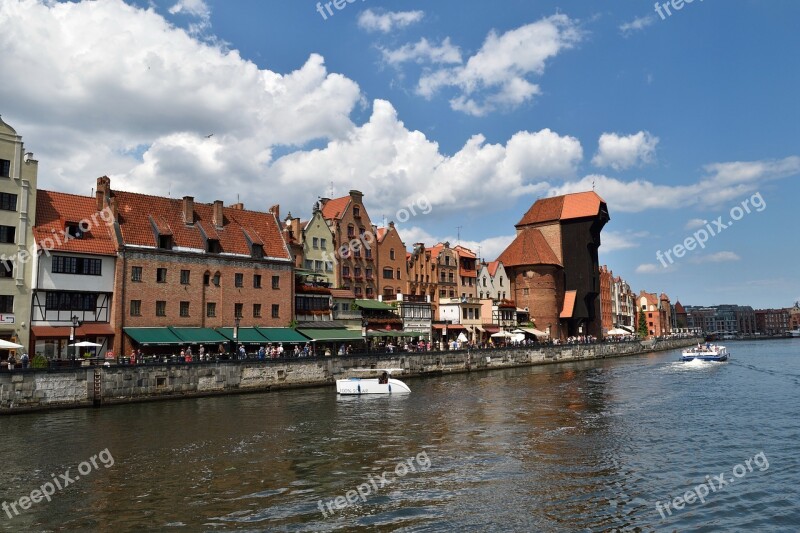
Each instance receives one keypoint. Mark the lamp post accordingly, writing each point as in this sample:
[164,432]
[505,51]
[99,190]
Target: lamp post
[364,325]
[72,336]
[236,322]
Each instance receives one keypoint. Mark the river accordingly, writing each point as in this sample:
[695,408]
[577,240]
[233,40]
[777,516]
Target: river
[592,446]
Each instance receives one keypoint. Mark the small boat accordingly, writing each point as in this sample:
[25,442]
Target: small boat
[380,385]
[709,352]
[795,333]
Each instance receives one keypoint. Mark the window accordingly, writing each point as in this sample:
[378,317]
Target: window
[6,269]
[323,244]
[357,291]
[76,265]
[525,291]
[136,308]
[276,282]
[318,266]
[7,234]
[356,211]
[256,310]
[501,281]
[484,281]
[215,279]
[351,231]
[239,279]
[368,252]
[398,273]
[161,308]
[256,281]
[161,275]
[368,273]
[464,313]
[309,264]
[328,266]
[136,273]
[370,292]
[346,271]
[357,272]
[5,168]
[211,309]
[213,246]
[184,308]
[70,301]
[447,260]
[442,293]
[391,254]
[316,243]
[276,311]
[388,273]
[238,309]
[185,277]
[8,201]
[257,251]
[206,279]
[165,242]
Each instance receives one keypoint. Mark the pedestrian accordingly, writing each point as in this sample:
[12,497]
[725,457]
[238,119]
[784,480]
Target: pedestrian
[133,357]
[242,352]
[24,360]
[262,353]
[11,362]
[201,352]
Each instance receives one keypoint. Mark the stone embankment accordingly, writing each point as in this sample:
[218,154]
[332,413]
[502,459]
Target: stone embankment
[33,389]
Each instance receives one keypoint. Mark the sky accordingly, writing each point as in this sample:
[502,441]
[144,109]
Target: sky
[452,117]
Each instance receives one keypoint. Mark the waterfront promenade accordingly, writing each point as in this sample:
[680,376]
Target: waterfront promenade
[39,389]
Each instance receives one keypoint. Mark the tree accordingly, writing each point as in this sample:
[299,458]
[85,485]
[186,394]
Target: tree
[642,325]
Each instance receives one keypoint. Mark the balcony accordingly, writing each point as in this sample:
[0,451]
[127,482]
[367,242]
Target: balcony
[346,275]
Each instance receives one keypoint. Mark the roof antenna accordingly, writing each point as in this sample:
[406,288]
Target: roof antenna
[458,238]
[592,184]
[330,195]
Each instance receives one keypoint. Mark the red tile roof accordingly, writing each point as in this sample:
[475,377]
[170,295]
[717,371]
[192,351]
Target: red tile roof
[492,267]
[464,252]
[529,248]
[381,234]
[566,207]
[55,209]
[134,212]
[343,294]
[335,208]
[568,308]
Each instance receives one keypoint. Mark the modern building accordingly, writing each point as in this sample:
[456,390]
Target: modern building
[720,319]
[18,175]
[74,270]
[184,268]
[415,311]
[772,321]
[392,275]
[554,265]
[353,243]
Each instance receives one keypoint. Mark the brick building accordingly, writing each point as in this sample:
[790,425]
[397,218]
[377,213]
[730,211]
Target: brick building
[191,265]
[392,268]
[354,243]
[772,321]
[657,312]
[606,299]
[554,266]
[467,272]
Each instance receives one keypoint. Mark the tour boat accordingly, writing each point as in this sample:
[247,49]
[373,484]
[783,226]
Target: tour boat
[795,332]
[382,385]
[709,352]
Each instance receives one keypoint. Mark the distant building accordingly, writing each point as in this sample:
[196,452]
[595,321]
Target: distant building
[794,316]
[554,266]
[316,246]
[391,262]
[623,305]
[434,272]
[657,312]
[606,299]
[18,176]
[467,272]
[772,321]
[493,281]
[721,319]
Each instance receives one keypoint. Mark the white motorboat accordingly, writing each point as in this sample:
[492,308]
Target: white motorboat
[795,333]
[709,352]
[384,384]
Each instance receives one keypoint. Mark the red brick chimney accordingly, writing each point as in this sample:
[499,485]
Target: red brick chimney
[276,210]
[238,205]
[218,216]
[188,209]
[103,192]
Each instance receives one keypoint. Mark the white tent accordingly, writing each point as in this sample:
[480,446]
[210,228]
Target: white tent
[531,331]
[86,343]
[617,331]
[502,334]
[5,345]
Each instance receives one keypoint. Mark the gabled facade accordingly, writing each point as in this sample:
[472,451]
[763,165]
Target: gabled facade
[18,175]
[74,275]
[354,243]
[493,282]
[187,264]
[657,313]
[467,272]
[623,305]
[316,244]
[392,268]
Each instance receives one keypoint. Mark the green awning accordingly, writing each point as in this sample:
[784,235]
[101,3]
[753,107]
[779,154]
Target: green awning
[198,335]
[282,335]
[246,335]
[324,334]
[374,305]
[158,336]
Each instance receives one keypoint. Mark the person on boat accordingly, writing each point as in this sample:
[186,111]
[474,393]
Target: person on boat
[384,378]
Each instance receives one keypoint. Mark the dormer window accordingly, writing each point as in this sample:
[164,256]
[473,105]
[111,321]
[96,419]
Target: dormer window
[213,246]
[257,251]
[74,230]
[165,242]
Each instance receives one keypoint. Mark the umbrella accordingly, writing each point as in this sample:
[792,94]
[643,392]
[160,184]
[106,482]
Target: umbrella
[462,337]
[502,334]
[5,345]
[617,331]
[86,343]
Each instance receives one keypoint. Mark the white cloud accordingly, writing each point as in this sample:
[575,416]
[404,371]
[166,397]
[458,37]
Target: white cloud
[624,151]
[649,268]
[695,223]
[719,257]
[637,24]
[197,8]
[613,241]
[487,249]
[423,52]
[495,77]
[373,21]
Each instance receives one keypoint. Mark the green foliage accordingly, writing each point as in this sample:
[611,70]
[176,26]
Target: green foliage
[642,325]
[39,361]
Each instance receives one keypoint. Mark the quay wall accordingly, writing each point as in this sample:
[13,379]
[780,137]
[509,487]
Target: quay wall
[39,389]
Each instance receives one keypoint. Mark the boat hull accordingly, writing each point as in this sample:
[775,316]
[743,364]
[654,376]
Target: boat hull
[708,353]
[359,386]
[692,357]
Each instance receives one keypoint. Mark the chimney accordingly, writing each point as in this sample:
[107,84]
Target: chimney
[103,192]
[188,209]
[238,205]
[391,224]
[28,156]
[218,216]
[276,210]
[357,196]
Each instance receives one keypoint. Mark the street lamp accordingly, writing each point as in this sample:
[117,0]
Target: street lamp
[72,336]
[236,322]
[364,324]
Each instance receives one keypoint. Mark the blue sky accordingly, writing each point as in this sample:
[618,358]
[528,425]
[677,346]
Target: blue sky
[479,108]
